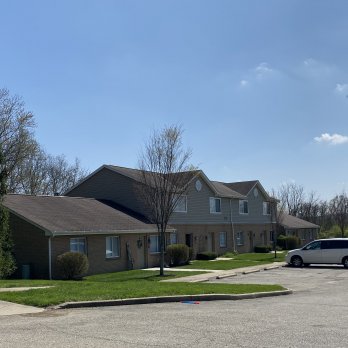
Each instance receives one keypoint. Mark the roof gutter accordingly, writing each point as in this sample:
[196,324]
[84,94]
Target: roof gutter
[76,233]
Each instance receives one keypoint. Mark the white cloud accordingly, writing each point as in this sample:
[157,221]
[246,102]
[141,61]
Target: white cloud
[316,69]
[334,139]
[262,70]
[342,88]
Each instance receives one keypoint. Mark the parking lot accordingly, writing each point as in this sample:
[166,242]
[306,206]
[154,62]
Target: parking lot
[314,316]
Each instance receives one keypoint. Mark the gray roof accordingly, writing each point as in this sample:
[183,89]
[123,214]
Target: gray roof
[59,215]
[243,187]
[293,222]
[224,191]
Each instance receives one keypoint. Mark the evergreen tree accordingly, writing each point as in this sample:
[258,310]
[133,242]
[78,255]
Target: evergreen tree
[7,262]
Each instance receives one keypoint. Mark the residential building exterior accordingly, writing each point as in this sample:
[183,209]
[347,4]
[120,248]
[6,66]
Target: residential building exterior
[105,217]
[112,237]
[211,216]
[293,226]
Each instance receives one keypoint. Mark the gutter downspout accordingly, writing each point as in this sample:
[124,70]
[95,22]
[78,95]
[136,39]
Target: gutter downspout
[50,257]
[233,237]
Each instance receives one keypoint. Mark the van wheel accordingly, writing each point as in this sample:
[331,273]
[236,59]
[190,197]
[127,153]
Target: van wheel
[345,262]
[296,261]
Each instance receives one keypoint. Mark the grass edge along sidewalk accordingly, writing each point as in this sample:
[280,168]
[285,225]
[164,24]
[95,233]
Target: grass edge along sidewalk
[120,286]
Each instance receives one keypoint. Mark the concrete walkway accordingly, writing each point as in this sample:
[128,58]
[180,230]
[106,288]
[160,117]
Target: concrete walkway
[219,274]
[10,308]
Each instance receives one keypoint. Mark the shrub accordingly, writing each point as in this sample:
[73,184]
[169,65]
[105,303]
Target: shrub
[206,255]
[72,265]
[177,255]
[262,248]
[288,242]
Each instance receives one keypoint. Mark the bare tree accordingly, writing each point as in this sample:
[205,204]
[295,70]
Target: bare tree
[16,130]
[44,174]
[277,209]
[339,211]
[165,178]
[309,208]
[292,196]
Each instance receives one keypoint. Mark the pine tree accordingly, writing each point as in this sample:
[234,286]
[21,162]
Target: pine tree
[7,262]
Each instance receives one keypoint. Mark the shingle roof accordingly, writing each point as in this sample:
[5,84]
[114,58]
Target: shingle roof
[61,215]
[292,222]
[224,191]
[243,187]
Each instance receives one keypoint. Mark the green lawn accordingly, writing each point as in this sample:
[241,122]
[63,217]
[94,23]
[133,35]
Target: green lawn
[118,285]
[238,261]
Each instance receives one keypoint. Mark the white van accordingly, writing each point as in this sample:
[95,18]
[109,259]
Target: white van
[334,251]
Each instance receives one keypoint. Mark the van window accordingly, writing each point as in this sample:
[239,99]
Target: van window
[313,246]
[334,244]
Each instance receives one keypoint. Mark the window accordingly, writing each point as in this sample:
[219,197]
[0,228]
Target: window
[271,236]
[215,205]
[313,246]
[181,205]
[223,240]
[112,247]
[243,207]
[240,238]
[173,238]
[266,208]
[154,244]
[78,245]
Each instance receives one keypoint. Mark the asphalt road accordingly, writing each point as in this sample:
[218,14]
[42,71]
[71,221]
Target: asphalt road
[316,315]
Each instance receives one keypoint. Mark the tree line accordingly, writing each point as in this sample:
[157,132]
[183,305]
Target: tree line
[27,167]
[309,207]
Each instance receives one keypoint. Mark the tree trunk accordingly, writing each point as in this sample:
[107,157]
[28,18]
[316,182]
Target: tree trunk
[162,253]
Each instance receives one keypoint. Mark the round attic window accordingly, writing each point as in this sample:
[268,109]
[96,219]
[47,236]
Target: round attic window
[198,185]
[256,192]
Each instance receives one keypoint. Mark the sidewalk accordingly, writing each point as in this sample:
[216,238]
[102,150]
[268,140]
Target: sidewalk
[10,308]
[218,274]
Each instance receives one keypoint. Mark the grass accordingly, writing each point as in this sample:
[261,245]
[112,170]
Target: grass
[120,285]
[238,261]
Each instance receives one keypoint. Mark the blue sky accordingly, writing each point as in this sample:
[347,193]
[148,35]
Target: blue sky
[260,87]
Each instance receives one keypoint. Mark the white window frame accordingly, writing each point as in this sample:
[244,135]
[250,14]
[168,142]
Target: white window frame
[224,239]
[212,205]
[242,206]
[177,205]
[240,238]
[78,241]
[266,207]
[115,247]
[157,243]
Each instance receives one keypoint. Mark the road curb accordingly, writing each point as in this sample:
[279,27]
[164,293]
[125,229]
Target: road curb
[252,271]
[272,267]
[165,299]
[226,275]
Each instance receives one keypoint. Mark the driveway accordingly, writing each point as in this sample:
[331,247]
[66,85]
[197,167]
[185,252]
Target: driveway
[314,316]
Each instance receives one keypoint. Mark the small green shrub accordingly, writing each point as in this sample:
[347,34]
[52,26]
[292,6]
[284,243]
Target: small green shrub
[288,242]
[262,248]
[72,265]
[206,255]
[177,255]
